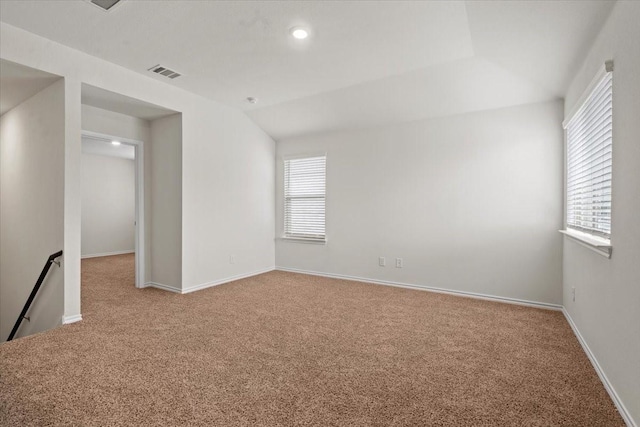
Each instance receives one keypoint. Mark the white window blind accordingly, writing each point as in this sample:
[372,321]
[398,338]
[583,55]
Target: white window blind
[589,165]
[304,197]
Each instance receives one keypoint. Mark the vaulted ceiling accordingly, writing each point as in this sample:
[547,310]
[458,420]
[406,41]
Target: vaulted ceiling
[365,63]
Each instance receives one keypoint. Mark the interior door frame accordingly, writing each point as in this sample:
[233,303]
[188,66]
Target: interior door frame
[139,220]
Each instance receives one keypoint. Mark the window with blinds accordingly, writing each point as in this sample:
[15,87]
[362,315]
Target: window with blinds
[304,197]
[589,165]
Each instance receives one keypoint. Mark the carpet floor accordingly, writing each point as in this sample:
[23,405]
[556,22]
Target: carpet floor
[282,349]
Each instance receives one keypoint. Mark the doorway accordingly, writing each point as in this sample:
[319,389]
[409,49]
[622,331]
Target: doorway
[125,148]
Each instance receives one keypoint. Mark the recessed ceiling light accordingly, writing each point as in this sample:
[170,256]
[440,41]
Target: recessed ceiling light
[115,142]
[299,33]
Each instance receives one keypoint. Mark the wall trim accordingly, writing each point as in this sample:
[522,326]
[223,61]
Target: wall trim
[139,241]
[622,410]
[66,320]
[163,287]
[201,286]
[108,254]
[206,285]
[544,305]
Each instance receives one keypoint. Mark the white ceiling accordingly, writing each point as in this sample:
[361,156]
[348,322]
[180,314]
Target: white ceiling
[365,63]
[19,83]
[100,147]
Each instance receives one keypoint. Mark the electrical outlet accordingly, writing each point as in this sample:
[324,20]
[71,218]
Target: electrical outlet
[232,259]
[382,262]
[399,263]
[573,294]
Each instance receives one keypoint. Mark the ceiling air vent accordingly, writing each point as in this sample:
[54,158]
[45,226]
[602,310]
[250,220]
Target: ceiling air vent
[164,71]
[106,5]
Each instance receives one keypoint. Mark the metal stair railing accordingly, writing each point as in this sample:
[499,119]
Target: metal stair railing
[34,292]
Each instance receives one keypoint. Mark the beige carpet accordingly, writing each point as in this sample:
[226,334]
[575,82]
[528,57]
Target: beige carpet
[284,349]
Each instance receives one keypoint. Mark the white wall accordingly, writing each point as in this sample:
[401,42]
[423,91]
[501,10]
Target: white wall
[607,306]
[165,257]
[163,186]
[108,205]
[31,209]
[471,203]
[116,124]
[229,179]
[228,199]
[219,214]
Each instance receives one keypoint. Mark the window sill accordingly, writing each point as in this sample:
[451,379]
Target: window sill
[304,240]
[599,245]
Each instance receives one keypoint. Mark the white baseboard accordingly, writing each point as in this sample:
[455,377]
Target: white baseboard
[71,319]
[225,280]
[626,416]
[107,254]
[163,287]
[201,286]
[476,295]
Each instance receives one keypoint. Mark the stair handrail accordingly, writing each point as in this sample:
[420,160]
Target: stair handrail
[34,292]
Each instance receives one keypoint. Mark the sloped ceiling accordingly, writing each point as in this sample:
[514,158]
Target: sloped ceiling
[366,63]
